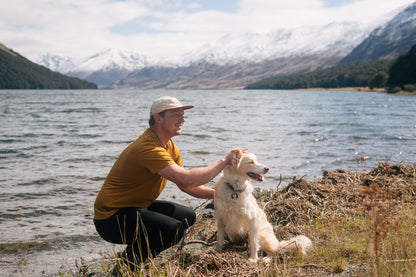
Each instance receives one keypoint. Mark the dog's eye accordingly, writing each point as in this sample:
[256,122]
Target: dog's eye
[251,162]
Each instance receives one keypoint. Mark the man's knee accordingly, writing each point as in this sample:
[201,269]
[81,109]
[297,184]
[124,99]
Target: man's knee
[191,218]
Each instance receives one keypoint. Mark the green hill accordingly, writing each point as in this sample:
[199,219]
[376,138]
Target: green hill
[17,72]
[358,74]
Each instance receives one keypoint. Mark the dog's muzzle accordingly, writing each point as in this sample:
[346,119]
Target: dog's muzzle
[257,177]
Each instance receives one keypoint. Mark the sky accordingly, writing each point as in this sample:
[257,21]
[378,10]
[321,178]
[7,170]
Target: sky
[164,28]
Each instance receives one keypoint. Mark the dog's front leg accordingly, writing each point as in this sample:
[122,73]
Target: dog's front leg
[220,235]
[253,245]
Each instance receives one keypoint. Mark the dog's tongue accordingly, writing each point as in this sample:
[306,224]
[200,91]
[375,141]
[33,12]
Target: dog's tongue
[255,176]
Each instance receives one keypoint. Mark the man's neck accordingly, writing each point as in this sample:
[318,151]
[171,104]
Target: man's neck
[164,139]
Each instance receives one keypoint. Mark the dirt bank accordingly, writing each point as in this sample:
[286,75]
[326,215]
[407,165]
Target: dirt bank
[292,209]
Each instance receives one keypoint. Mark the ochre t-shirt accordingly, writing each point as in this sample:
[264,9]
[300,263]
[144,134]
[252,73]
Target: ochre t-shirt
[133,180]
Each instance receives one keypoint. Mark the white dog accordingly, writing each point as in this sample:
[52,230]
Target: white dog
[238,214]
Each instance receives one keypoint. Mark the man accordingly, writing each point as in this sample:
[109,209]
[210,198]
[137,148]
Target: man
[126,210]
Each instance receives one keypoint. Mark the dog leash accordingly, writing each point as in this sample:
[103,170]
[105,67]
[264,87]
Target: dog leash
[235,193]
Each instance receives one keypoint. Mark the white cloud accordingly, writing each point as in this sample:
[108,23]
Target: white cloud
[162,28]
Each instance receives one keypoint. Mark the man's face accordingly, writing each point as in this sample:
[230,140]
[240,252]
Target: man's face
[173,121]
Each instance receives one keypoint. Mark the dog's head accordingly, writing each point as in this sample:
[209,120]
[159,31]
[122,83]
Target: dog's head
[246,165]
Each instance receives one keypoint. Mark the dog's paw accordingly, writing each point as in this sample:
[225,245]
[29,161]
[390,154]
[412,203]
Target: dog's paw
[253,260]
[267,260]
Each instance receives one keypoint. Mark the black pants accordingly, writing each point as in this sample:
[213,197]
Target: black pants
[147,231]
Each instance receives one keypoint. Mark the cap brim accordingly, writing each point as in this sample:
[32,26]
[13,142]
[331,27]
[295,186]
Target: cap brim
[186,107]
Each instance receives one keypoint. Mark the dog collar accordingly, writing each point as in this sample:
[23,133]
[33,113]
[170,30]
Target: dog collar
[235,193]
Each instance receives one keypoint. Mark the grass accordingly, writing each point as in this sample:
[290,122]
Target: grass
[354,241]
[361,224]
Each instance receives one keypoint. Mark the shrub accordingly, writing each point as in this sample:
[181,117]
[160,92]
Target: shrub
[409,88]
[394,90]
[379,80]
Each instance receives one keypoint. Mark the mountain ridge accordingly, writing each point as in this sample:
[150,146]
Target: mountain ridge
[234,61]
[213,76]
[17,72]
[387,41]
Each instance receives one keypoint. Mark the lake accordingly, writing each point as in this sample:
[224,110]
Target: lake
[58,145]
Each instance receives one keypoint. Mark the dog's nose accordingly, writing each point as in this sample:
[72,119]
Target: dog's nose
[266,169]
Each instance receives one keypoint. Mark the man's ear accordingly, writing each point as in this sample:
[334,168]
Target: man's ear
[236,155]
[157,117]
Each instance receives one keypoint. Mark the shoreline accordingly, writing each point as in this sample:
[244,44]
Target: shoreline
[365,89]
[336,194]
[362,89]
[340,199]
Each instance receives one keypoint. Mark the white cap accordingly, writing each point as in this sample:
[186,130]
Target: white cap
[167,103]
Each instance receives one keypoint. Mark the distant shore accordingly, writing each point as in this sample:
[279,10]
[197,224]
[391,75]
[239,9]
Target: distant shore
[365,89]
[349,88]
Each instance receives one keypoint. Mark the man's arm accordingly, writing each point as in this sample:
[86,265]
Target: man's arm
[202,192]
[188,180]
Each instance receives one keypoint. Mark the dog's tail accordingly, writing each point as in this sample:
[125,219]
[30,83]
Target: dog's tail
[269,243]
[300,244]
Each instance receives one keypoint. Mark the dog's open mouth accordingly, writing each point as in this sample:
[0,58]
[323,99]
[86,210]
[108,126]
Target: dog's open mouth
[255,176]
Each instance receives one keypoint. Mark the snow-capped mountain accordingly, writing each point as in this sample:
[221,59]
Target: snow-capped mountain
[389,40]
[332,39]
[108,60]
[113,60]
[56,63]
[234,60]
[103,68]
[336,38]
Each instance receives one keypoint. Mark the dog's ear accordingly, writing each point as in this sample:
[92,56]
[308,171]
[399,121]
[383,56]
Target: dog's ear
[236,155]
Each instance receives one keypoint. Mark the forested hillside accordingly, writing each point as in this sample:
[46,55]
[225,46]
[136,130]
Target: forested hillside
[403,70]
[17,72]
[371,74]
[394,75]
